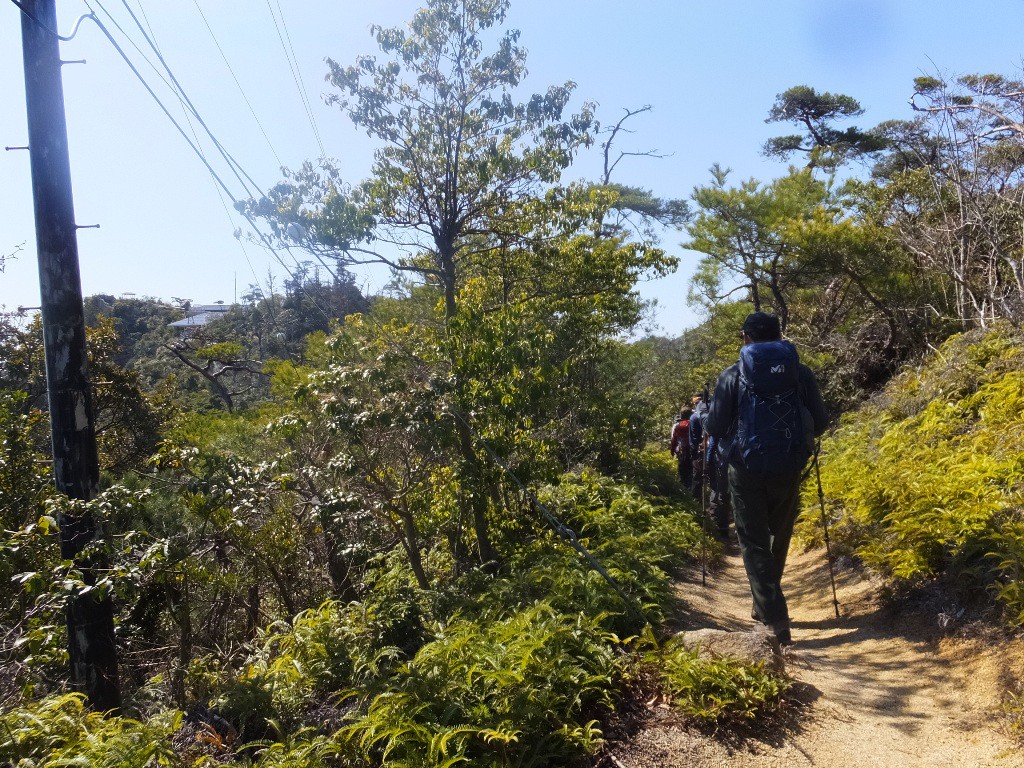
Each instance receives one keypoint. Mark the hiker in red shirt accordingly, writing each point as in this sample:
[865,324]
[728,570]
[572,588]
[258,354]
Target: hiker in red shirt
[680,447]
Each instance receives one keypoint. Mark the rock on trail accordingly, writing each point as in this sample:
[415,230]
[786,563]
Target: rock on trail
[876,688]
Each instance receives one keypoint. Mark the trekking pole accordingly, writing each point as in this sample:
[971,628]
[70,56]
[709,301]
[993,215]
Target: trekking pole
[824,525]
[704,518]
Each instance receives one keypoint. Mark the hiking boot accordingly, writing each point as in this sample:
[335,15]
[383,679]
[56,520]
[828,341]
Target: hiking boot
[782,633]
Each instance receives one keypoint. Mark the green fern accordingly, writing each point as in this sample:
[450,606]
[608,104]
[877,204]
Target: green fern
[716,690]
[927,480]
[60,732]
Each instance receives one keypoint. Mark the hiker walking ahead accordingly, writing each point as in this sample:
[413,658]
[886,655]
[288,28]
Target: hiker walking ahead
[680,447]
[766,412]
[715,472]
[697,446]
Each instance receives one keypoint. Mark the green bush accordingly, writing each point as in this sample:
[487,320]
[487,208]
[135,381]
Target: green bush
[61,731]
[927,479]
[307,749]
[640,538]
[522,691]
[713,690]
[654,471]
[322,654]
[513,668]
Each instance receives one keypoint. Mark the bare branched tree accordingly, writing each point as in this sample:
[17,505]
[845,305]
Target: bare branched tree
[613,134]
[975,231]
[10,255]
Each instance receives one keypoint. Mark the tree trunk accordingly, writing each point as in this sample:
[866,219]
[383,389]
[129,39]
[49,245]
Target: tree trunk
[412,549]
[252,612]
[282,589]
[456,545]
[781,306]
[184,620]
[477,502]
[339,569]
[755,293]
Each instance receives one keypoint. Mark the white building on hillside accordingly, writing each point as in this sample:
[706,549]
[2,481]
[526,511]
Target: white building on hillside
[199,315]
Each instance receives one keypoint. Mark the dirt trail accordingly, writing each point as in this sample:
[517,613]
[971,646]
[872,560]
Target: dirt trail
[877,689]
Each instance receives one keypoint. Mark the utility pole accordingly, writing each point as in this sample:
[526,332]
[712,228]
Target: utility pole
[90,619]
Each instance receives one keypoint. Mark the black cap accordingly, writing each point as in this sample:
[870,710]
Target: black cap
[761,326]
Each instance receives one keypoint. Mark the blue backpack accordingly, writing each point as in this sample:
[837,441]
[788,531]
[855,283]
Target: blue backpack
[770,431]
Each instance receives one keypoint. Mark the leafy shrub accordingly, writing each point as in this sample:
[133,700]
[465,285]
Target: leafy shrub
[492,669]
[639,538]
[713,690]
[323,652]
[512,692]
[306,749]
[927,479]
[513,669]
[61,731]
[654,471]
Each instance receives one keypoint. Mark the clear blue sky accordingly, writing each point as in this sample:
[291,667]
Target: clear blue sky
[711,71]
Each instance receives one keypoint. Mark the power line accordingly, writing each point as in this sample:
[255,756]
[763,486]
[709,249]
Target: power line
[145,18]
[235,77]
[64,38]
[163,107]
[186,102]
[302,81]
[195,135]
[296,75]
[235,166]
[138,50]
[184,106]
[202,157]
[236,169]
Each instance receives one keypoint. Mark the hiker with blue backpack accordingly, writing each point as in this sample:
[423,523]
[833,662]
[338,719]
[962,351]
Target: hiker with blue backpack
[765,415]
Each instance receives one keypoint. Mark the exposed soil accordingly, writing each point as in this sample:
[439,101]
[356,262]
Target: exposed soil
[880,687]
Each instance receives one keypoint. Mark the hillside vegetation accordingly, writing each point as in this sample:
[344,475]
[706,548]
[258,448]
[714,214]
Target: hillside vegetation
[518,667]
[339,530]
[926,480]
[439,525]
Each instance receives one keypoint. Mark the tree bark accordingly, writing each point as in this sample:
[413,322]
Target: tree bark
[412,548]
[476,502]
[252,612]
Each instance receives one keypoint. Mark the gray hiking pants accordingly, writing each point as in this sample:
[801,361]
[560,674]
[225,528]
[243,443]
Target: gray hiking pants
[765,508]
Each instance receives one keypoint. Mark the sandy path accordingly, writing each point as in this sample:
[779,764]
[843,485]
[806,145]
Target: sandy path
[877,692]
